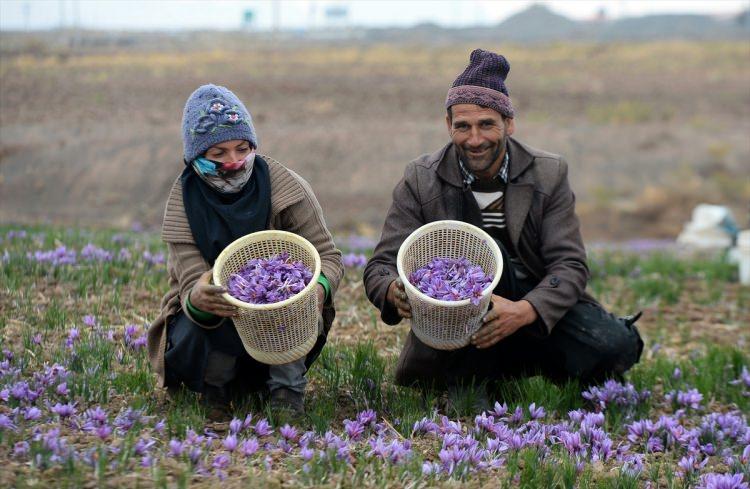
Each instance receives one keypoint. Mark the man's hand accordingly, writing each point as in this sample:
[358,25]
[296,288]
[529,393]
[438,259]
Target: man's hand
[321,297]
[502,320]
[396,295]
[207,297]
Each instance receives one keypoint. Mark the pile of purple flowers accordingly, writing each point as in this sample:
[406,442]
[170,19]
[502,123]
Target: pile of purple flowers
[451,279]
[269,280]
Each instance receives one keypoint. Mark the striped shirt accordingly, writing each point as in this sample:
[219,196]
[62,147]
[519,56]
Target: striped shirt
[490,196]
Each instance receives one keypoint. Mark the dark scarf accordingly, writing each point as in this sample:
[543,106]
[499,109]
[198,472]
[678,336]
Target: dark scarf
[216,219]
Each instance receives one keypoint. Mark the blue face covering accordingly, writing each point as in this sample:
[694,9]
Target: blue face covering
[224,181]
[205,167]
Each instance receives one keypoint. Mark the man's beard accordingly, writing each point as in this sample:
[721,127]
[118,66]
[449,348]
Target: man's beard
[482,164]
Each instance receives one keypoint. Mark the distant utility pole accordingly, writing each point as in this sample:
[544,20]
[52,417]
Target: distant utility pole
[62,14]
[311,15]
[26,15]
[276,16]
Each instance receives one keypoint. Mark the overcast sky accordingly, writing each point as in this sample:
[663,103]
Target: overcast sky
[301,14]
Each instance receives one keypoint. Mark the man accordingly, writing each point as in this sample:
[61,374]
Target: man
[541,320]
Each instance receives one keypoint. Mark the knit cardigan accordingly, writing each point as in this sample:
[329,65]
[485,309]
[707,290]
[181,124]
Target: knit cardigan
[294,208]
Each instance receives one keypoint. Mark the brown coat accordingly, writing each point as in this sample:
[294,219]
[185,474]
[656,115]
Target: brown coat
[540,215]
[294,208]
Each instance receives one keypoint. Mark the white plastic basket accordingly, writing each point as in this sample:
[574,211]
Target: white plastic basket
[284,331]
[448,325]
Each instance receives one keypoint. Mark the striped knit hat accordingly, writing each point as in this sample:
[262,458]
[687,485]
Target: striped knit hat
[483,83]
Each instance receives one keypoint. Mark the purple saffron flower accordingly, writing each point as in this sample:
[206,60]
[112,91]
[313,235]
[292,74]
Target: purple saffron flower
[230,443]
[62,389]
[96,415]
[536,412]
[21,449]
[103,431]
[500,410]
[691,464]
[124,255]
[249,447]
[353,429]
[153,259]
[175,448]
[517,415]
[20,390]
[235,426]
[6,423]
[160,426]
[367,417]
[64,410]
[354,260]
[194,455]
[221,462]
[743,379]
[430,468]
[572,443]
[654,445]
[722,481]
[262,428]
[288,432]
[307,453]
[426,425]
[143,446]
[91,252]
[73,336]
[140,342]
[691,398]
[32,414]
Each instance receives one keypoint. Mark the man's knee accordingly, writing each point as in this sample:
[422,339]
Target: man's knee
[621,346]
[597,344]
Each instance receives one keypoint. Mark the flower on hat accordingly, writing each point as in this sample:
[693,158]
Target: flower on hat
[205,124]
[232,117]
[217,106]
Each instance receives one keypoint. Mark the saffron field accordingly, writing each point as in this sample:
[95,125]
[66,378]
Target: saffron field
[79,406]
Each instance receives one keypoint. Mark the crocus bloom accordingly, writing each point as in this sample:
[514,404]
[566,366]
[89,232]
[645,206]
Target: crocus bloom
[230,443]
[249,447]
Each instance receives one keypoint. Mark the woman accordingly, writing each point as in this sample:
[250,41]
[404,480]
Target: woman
[227,191]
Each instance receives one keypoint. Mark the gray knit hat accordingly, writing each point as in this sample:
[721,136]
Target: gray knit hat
[212,115]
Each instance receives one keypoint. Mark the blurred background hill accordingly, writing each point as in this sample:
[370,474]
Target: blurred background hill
[652,112]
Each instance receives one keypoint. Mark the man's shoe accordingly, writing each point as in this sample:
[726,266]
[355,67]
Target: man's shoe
[216,401]
[283,399]
[461,399]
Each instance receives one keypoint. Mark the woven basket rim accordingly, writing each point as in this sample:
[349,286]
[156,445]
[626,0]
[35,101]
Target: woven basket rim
[449,224]
[262,236]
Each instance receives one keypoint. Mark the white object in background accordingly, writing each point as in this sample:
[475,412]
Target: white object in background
[743,252]
[711,226]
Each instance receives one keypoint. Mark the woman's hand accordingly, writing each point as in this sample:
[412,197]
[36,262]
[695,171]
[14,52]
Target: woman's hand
[207,297]
[321,297]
